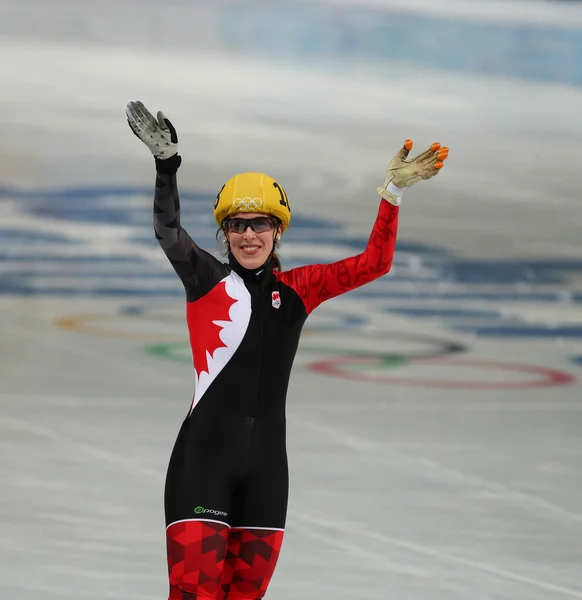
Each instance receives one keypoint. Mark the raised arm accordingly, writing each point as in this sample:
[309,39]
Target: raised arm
[316,283]
[174,240]
[196,268]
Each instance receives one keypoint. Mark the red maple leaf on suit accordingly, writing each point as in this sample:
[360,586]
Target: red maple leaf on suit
[204,331]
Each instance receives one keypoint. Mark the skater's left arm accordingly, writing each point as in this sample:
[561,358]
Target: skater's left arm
[317,283]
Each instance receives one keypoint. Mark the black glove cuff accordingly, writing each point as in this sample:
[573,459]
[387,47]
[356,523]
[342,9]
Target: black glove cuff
[169,166]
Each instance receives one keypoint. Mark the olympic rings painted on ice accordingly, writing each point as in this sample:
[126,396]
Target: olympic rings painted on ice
[358,348]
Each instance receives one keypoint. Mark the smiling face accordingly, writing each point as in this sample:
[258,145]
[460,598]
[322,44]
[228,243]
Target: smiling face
[251,248]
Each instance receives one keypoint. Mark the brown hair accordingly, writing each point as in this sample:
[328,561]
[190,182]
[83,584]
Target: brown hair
[276,260]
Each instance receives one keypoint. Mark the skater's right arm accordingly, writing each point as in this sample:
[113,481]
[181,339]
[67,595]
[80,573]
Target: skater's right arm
[194,266]
[179,247]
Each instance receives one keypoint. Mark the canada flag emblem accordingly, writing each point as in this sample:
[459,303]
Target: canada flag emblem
[217,323]
[276,299]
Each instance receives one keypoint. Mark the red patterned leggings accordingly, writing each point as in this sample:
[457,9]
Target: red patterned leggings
[208,559]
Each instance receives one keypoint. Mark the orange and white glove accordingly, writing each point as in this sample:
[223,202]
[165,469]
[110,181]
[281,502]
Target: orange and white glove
[402,173]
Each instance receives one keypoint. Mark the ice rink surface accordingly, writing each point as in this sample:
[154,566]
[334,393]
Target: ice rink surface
[434,417]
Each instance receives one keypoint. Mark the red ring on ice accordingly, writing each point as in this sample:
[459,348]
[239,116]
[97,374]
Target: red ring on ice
[545,377]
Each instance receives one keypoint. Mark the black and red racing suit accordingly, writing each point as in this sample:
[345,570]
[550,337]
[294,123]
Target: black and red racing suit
[227,481]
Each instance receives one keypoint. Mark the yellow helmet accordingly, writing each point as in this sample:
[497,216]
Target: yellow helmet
[252,192]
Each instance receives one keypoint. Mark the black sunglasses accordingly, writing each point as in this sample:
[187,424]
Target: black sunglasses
[258,224]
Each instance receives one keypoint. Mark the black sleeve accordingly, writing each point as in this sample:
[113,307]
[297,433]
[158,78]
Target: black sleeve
[198,270]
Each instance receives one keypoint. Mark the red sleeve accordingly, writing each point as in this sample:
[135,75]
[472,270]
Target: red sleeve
[317,283]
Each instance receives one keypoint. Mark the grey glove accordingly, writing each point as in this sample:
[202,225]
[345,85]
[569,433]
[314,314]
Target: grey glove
[158,135]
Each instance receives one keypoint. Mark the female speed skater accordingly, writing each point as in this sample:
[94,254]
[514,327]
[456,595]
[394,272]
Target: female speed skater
[227,481]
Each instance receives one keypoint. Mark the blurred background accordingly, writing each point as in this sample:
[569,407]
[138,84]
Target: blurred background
[434,415]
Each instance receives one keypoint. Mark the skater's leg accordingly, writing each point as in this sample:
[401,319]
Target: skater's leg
[196,552]
[258,519]
[251,559]
[197,506]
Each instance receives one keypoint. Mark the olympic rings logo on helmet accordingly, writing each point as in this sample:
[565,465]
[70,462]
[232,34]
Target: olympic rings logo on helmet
[252,192]
[248,203]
